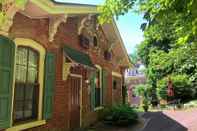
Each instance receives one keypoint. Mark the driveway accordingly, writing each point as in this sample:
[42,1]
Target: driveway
[171,121]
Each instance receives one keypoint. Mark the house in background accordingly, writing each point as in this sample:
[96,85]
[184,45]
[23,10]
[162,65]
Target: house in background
[134,76]
[58,66]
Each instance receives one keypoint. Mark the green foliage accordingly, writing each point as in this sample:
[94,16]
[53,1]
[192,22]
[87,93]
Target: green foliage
[140,90]
[120,115]
[134,57]
[3,16]
[145,91]
[145,104]
[170,40]
[183,88]
[113,8]
[20,3]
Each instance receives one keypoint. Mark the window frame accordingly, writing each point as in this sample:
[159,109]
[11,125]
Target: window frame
[42,52]
[36,85]
[99,68]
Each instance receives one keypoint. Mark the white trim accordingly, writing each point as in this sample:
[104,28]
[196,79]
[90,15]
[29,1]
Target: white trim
[27,125]
[116,74]
[98,108]
[75,75]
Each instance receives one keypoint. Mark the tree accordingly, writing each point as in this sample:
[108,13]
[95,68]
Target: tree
[170,37]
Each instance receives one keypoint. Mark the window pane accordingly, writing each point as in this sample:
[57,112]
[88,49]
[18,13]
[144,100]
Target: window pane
[29,92]
[32,67]
[21,56]
[21,73]
[32,75]
[97,97]
[19,92]
[28,105]
[33,59]
[18,114]
[28,113]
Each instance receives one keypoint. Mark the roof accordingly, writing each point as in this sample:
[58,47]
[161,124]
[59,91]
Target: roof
[76,4]
[49,8]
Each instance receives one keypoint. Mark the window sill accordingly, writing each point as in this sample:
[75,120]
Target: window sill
[27,125]
[98,108]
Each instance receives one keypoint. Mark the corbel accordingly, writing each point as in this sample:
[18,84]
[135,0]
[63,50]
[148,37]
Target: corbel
[54,23]
[9,9]
[66,70]
[112,45]
[86,23]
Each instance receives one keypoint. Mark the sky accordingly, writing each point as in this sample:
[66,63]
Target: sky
[128,25]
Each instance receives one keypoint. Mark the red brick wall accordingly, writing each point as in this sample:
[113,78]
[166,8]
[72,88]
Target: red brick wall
[37,29]
[117,92]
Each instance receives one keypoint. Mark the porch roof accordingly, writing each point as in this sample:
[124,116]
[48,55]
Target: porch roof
[78,57]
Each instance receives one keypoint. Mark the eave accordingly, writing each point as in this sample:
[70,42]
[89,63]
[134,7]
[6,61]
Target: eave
[51,8]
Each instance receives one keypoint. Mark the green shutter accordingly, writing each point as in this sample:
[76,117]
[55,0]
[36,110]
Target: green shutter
[92,89]
[49,85]
[104,84]
[7,50]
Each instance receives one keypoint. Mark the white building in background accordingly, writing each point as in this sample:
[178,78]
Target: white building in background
[133,77]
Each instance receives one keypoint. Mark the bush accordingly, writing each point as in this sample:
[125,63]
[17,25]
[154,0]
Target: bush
[121,115]
[182,88]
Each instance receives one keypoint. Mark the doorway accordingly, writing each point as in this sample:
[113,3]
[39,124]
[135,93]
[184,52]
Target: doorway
[75,100]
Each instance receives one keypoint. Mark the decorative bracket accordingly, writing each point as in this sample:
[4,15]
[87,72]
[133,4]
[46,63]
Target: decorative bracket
[8,11]
[112,45]
[66,70]
[87,23]
[54,23]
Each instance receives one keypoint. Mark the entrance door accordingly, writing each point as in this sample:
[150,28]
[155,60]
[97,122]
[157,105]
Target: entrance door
[75,100]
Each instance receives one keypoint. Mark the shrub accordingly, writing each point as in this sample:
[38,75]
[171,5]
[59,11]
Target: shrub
[120,115]
[182,88]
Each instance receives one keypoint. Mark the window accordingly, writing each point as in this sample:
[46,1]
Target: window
[114,84]
[23,75]
[26,85]
[95,41]
[97,90]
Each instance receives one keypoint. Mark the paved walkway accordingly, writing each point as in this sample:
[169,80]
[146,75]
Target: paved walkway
[158,121]
[171,121]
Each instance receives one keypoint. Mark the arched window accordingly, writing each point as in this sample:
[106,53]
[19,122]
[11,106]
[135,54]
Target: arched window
[26,84]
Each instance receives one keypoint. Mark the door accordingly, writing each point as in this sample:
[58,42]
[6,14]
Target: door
[75,101]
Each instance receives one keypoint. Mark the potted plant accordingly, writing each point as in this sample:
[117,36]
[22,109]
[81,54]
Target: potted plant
[145,105]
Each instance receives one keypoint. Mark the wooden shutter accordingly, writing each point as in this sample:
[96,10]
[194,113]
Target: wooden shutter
[7,50]
[49,85]
[105,85]
[92,90]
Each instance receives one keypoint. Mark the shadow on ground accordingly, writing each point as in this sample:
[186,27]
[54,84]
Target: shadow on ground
[150,121]
[158,121]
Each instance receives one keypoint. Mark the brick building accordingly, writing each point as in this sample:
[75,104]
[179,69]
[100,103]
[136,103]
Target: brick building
[58,66]
[133,77]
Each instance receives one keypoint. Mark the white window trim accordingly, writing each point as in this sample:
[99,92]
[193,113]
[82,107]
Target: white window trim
[116,74]
[41,50]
